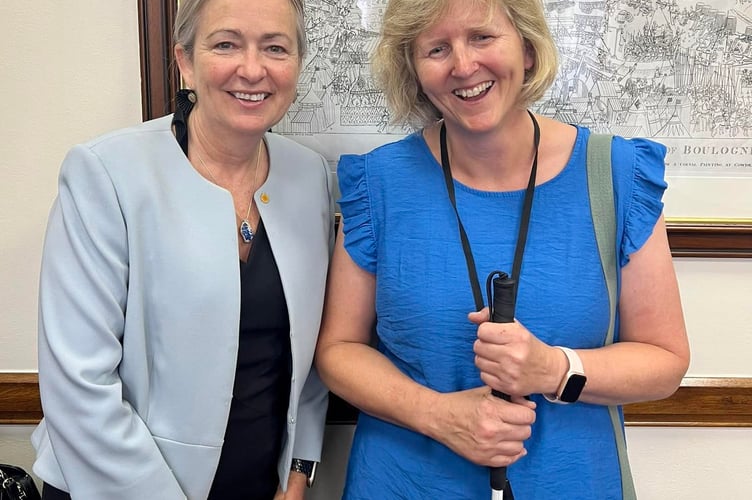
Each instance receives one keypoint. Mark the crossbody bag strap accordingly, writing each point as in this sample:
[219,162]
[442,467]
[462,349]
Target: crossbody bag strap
[601,193]
[603,212]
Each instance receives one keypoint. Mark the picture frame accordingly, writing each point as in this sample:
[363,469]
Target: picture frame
[688,236]
[706,402]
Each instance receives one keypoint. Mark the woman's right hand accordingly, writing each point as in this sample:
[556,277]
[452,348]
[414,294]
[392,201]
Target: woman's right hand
[483,428]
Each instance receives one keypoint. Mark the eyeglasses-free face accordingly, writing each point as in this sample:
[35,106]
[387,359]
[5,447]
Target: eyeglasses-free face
[245,65]
[472,67]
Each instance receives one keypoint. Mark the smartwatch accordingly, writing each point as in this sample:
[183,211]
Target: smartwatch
[306,467]
[573,382]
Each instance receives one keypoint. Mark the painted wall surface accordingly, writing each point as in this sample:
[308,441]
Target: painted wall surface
[717,300]
[70,71]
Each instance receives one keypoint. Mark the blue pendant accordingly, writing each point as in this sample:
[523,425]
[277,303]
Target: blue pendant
[245,231]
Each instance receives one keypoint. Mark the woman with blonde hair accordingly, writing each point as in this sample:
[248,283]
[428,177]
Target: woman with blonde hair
[486,184]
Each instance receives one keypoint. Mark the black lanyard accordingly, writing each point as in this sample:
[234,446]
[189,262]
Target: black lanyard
[527,207]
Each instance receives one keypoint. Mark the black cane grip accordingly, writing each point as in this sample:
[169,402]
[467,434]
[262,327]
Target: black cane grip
[503,299]
[499,394]
[498,478]
[500,288]
[502,307]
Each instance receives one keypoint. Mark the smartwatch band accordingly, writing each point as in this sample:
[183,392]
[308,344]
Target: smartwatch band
[573,382]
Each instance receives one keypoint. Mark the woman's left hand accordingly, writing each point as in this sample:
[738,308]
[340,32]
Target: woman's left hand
[296,487]
[512,360]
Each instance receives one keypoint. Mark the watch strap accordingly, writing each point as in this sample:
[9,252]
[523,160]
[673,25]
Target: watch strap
[307,467]
[574,368]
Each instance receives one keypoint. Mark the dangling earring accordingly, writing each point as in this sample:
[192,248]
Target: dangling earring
[192,96]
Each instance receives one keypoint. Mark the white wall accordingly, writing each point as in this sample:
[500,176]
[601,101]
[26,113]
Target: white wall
[717,300]
[70,71]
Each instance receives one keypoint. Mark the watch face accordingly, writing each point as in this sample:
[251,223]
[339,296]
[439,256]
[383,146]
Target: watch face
[573,389]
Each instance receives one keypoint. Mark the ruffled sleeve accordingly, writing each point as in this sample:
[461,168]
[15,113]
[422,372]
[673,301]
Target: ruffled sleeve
[644,185]
[355,204]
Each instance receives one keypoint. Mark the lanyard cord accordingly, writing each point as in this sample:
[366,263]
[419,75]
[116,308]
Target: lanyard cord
[527,207]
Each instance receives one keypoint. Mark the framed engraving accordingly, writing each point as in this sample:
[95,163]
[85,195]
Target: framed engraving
[676,71]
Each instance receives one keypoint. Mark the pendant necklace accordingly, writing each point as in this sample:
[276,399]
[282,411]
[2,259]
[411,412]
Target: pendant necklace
[245,229]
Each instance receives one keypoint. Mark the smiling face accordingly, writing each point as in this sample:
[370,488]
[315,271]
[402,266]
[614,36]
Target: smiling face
[472,66]
[244,66]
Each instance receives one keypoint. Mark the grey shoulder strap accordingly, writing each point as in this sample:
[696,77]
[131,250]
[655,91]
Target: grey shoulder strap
[601,192]
[603,212]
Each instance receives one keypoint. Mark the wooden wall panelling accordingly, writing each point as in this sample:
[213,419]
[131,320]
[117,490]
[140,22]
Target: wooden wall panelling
[699,402]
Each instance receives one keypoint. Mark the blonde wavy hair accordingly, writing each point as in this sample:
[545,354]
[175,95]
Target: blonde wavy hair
[405,20]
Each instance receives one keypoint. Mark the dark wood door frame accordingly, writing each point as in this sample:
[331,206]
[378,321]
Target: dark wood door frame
[159,77]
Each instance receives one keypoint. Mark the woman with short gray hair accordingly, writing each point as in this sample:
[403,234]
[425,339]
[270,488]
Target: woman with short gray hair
[182,283]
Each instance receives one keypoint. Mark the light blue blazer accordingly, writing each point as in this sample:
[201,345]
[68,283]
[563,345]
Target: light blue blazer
[139,310]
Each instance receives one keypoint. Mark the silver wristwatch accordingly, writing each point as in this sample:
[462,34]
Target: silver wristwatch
[306,467]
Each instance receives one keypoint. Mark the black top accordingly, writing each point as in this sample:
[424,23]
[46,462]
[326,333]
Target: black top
[253,439]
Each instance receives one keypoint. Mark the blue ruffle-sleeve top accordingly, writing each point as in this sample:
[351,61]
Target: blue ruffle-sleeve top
[400,226]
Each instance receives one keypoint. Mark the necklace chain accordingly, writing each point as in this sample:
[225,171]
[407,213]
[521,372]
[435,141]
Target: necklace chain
[245,226]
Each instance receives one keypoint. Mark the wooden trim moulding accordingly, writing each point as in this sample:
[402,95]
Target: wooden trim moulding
[699,402]
[710,239]
[19,398]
